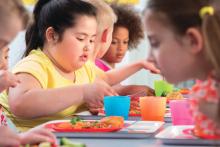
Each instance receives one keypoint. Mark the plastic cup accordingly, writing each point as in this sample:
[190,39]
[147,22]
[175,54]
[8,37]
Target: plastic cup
[180,112]
[161,86]
[117,106]
[152,108]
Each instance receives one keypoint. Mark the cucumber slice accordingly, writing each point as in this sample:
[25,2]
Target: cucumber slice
[45,144]
[64,142]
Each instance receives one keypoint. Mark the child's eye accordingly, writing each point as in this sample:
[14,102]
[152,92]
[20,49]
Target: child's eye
[80,39]
[154,44]
[114,42]
[92,41]
[125,42]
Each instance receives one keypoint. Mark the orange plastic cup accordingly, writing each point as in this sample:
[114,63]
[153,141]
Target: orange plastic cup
[152,108]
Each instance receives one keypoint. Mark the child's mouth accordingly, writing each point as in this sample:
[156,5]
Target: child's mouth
[84,58]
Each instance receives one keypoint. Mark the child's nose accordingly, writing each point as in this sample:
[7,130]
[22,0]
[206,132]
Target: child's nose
[86,49]
[120,46]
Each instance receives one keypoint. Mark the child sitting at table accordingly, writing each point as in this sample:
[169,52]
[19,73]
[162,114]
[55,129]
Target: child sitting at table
[55,71]
[103,41]
[184,38]
[10,26]
[58,44]
[127,34]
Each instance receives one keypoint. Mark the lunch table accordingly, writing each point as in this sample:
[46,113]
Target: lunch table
[143,142]
[148,142]
[117,142]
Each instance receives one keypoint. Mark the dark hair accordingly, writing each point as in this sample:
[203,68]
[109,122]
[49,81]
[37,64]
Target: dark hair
[183,14]
[59,14]
[130,19]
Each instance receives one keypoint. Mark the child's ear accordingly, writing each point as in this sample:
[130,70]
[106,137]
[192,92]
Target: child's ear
[104,35]
[51,35]
[195,40]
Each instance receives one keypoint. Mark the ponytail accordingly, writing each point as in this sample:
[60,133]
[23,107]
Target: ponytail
[32,37]
[211,31]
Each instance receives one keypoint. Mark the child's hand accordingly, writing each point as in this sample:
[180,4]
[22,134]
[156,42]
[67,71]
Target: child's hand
[94,111]
[8,137]
[150,66]
[94,93]
[7,79]
[37,135]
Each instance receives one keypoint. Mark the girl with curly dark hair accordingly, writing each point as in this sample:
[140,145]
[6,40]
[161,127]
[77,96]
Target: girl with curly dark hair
[127,34]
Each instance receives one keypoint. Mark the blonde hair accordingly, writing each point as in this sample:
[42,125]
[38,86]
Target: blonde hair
[181,15]
[211,31]
[105,15]
[12,7]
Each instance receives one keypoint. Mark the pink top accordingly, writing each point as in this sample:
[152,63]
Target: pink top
[102,65]
[205,90]
[3,121]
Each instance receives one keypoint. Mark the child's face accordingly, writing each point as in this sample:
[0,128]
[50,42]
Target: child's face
[170,52]
[9,30]
[119,45]
[76,45]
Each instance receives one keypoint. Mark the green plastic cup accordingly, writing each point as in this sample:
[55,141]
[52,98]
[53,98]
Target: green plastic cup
[162,87]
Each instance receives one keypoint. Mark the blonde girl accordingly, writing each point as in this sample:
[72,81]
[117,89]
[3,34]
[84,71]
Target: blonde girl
[184,38]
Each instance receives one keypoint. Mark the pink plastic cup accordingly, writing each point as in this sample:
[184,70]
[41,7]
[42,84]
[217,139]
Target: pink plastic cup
[180,112]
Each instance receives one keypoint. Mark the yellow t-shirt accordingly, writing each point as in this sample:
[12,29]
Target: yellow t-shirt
[39,66]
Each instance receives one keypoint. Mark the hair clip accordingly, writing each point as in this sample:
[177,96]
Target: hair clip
[206,10]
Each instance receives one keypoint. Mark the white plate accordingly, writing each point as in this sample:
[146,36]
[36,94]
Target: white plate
[175,135]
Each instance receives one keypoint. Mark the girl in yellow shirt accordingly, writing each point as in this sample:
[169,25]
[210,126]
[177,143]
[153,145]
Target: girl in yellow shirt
[52,76]
[13,18]
[55,76]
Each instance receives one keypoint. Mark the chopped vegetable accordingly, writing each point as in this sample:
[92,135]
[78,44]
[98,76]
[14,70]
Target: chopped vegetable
[174,96]
[45,144]
[64,142]
[164,94]
[75,120]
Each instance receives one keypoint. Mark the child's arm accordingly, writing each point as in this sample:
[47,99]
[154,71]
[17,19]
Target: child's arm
[7,80]
[30,100]
[37,135]
[8,137]
[115,76]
